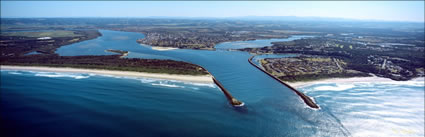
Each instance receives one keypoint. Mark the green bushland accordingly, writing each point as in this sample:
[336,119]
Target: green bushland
[53,34]
[110,62]
[16,44]
[26,42]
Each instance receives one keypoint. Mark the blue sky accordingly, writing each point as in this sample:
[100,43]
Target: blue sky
[378,10]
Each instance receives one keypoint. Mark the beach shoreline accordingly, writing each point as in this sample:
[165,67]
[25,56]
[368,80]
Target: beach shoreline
[301,84]
[184,78]
[163,48]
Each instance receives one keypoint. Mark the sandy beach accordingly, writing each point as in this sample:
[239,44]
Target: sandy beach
[342,80]
[163,48]
[186,78]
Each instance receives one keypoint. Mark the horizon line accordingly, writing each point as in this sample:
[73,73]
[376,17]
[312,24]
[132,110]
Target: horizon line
[230,17]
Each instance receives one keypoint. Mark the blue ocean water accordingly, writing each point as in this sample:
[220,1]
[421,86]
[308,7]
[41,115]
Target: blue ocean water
[67,104]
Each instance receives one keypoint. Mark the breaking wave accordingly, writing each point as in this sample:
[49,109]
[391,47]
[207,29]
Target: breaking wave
[338,87]
[58,75]
[175,83]
[390,108]
[50,74]
[167,85]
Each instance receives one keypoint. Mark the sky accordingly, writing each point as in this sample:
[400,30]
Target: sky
[364,10]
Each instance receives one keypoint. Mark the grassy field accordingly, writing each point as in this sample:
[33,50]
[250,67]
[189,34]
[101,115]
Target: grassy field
[59,33]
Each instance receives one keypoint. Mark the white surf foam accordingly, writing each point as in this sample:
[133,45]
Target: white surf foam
[211,85]
[338,87]
[58,75]
[389,108]
[167,85]
[15,73]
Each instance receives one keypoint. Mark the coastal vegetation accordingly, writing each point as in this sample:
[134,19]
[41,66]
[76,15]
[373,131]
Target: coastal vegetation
[108,62]
[46,42]
[40,34]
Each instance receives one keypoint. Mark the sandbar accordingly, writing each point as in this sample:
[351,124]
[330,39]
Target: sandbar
[163,48]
